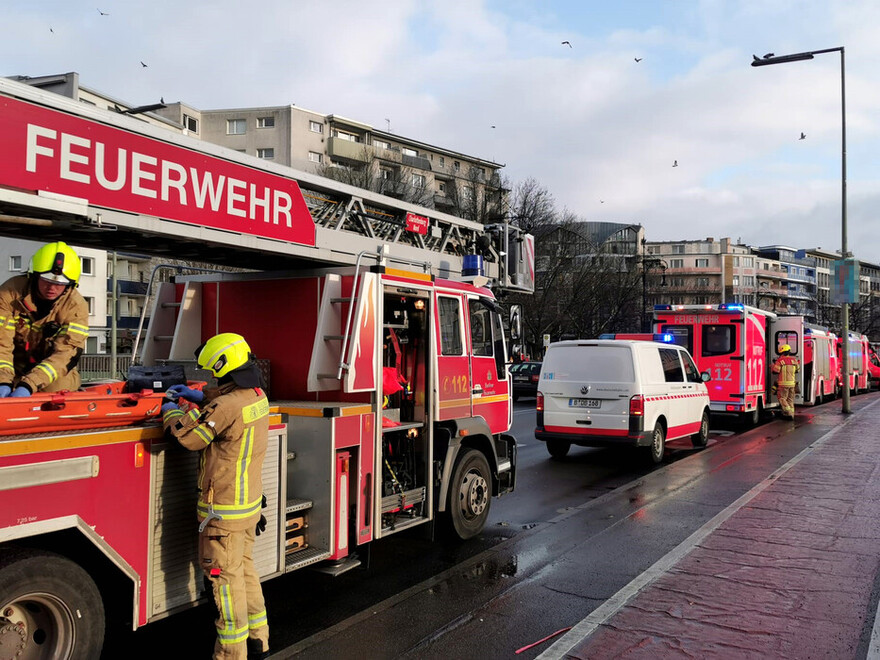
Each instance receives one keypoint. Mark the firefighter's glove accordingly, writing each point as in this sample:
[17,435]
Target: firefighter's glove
[261,525]
[168,406]
[184,392]
[5,391]
[264,503]
[20,391]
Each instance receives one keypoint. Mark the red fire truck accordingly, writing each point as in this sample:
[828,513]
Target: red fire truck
[383,354]
[859,362]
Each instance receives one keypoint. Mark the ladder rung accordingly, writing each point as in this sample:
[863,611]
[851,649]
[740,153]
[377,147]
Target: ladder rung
[326,376]
[170,304]
[163,337]
[340,300]
[328,337]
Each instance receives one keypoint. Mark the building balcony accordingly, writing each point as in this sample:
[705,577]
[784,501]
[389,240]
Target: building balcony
[442,201]
[772,274]
[416,161]
[347,150]
[128,287]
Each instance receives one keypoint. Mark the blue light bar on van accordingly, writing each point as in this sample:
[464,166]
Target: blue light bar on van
[665,337]
[731,307]
[607,335]
[662,307]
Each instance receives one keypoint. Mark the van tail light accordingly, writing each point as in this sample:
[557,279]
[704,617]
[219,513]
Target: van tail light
[539,402]
[637,406]
[539,411]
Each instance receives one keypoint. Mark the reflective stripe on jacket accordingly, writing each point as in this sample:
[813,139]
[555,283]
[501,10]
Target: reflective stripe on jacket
[41,353]
[232,432]
[787,367]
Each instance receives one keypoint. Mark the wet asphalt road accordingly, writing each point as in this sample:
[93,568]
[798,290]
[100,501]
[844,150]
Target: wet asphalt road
[572,534]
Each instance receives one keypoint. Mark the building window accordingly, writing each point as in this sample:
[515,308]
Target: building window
[191,124]
[316,127]
[676,263]
[735,281]
[267,153]
[88,265]
[441,187]
[381,144]
[265,122]
[15,262]
[456,165]
[315,157]
[235,126]
[442,161]
[678,249]
[703,282]
[676,281]
[702,263]
[406,151]
[747,262]
[736,261]
[91,303]
[385,174]
[345,135]
[418,180]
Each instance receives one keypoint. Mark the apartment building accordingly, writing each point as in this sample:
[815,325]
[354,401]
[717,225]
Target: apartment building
[800,295]
[702,272]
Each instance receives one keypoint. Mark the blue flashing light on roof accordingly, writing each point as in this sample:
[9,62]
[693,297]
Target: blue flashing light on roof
[731,307]
[607,335]
[665,337]
[662,307]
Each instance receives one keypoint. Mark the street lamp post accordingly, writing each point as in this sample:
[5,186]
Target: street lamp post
[844,307]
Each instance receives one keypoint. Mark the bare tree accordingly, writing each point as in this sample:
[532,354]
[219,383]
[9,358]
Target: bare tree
[370,173]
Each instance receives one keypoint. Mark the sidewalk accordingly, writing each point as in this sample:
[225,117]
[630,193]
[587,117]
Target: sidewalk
[787,571]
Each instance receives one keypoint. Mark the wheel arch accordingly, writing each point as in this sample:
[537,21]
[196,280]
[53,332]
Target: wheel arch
[72,538]
[456,434]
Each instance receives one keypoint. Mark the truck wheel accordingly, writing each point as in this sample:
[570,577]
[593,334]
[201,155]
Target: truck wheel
[701,438]
[470,494]
[558,448]
[658,444]
[49,608]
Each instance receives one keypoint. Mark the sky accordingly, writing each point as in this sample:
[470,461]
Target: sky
[598,129]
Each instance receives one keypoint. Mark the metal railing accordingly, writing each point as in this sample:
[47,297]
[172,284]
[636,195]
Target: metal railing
[100,367]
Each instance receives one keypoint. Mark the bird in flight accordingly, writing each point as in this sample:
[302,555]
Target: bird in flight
[103,13]
[637,59]
[162,100]
[566,43]
[675,163]
[768,56]
[51,30]
[803,136]
[601,201]
[493,126]
[755,58]
[143,65]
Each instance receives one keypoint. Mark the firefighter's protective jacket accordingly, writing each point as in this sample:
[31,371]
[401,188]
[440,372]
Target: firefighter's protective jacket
[787,367]
[41,353]
[232,431]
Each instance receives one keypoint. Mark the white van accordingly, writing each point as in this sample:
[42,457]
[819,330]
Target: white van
[596,393]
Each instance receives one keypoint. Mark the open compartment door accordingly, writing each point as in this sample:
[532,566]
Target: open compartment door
[361,355]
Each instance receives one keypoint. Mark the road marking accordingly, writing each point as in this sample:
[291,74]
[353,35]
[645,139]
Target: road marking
[610,607]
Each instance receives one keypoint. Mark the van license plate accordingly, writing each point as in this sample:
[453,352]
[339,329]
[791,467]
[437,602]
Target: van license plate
[583,403]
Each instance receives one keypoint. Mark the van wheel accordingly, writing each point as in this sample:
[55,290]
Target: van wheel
[658,444]
[558,448]
[49,607]
[470,493]
[701,438]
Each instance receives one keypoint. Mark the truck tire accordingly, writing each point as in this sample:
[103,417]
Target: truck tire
[701,437]
[558,448]
[470,494]
[49,607]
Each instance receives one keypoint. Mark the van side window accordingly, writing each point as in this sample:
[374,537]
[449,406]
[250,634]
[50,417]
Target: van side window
[787,337]
[450,326]
[671,365]
[690,369]
[718,339]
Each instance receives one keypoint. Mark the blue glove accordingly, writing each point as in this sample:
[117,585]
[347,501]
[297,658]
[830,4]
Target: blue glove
[5,391]
[182,391]
[20,391]
[169,406]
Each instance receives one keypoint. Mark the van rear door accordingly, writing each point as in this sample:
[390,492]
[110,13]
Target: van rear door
[587,387]
[789,330]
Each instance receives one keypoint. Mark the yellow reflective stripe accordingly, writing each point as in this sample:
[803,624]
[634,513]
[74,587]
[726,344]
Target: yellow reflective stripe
[6,365]
[245,452]
[203,432]
[257,620]
[231,511]
[48,369]
[172,414]
[77,329]
[229,634]
[193,414]
[255,411]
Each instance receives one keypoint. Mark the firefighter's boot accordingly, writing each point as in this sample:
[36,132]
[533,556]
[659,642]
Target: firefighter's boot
[255,650]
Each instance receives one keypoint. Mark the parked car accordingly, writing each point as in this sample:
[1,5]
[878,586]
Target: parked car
[525,379]
[620,392]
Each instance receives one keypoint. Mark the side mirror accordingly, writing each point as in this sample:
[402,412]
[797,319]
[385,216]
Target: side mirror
[705,376]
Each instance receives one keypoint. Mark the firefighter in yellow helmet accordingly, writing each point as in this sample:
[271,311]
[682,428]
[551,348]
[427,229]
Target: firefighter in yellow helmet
[44,324]
[230,426]
[787,367]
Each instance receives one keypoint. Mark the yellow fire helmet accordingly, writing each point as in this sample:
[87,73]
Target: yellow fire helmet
[785,348]
[56,262]
[223,353]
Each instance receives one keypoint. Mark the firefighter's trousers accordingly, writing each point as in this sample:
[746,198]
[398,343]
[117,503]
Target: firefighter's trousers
[227,561]
[786,400]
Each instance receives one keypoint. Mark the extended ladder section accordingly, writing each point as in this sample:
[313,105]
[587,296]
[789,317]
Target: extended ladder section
[98,178]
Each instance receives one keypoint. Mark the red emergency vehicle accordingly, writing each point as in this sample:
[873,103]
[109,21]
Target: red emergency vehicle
[384,358]
[859,362]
